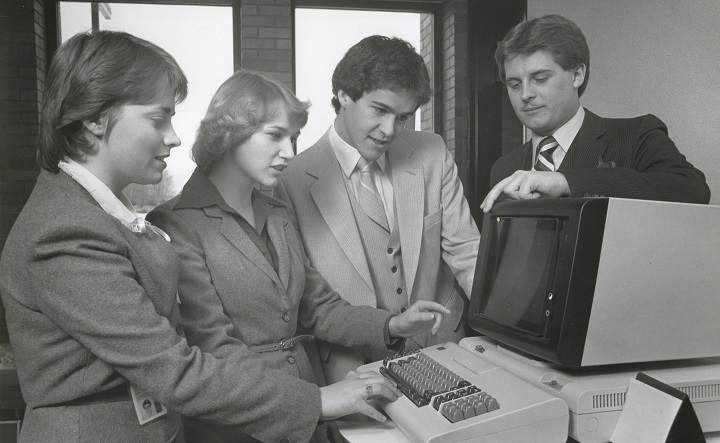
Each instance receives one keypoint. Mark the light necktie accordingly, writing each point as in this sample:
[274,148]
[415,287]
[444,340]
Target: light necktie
[368,195]
[544,161]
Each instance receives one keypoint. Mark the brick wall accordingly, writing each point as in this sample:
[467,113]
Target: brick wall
[22,76]
[427,43]
[266,38]
[454,103]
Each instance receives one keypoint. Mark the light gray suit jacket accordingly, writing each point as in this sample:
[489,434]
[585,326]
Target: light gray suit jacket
[438,236]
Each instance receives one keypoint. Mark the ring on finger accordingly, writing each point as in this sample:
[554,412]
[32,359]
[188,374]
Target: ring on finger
[369,390]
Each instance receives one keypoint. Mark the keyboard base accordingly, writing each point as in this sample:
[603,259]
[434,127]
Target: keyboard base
[526,413]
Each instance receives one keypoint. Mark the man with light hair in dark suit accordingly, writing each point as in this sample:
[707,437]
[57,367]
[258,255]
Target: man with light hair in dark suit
[545,65]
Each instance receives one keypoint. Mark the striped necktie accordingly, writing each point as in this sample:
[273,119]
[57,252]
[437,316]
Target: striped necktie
[544,161]
[368,195]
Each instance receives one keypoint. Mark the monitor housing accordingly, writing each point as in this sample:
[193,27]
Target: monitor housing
[600,281]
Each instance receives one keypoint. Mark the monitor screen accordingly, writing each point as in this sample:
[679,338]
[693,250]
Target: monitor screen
[521,272]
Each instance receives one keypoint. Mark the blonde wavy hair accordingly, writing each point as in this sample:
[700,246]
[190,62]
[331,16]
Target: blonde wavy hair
[239,108]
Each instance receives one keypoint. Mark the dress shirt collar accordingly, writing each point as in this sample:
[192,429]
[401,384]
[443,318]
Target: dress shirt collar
[566,133]
[348,156]
[120,208]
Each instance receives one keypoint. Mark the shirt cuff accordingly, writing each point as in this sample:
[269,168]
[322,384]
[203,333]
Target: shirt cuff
[394,344]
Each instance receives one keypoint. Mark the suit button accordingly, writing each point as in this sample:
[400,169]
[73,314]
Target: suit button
[286,317]
[291,360]
[393,269]
[399,290]
[179,329]
[390,250]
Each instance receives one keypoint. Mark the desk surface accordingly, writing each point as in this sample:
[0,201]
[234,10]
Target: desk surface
[360,429]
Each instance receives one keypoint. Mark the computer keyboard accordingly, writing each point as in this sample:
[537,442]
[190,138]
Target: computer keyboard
[452,395]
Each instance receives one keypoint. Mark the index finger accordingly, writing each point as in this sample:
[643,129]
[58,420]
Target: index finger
[432,306]
[494,193]
[388,389]
[489,199]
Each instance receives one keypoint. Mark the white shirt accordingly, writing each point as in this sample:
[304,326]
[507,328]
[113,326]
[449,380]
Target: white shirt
[120,208]
[564,135]
[348,157]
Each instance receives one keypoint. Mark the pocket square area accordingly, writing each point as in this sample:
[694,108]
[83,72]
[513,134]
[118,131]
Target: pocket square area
[605,164]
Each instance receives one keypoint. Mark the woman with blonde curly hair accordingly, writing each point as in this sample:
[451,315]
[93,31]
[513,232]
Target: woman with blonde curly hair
[245,275]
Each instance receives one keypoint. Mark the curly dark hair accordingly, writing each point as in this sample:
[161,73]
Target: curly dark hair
[379,62]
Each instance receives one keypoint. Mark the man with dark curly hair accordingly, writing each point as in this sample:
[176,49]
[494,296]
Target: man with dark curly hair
[380,207]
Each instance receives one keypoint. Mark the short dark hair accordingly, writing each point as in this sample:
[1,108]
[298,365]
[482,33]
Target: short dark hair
[91,76]
[379,62]
[241,105]
[553,33]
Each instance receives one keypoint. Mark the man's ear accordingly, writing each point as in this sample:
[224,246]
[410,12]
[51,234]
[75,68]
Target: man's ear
[343,98]
[579,75]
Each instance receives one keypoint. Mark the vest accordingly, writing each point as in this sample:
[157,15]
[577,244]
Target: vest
[384,257]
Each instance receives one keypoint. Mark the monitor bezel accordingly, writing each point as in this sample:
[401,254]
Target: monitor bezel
[582,222]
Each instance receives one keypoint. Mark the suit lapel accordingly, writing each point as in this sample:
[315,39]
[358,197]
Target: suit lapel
[328,193]
[528,150]
[232,231]
[408,182]
[587,148]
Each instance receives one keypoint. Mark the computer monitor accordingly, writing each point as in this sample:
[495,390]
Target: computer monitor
[599,281]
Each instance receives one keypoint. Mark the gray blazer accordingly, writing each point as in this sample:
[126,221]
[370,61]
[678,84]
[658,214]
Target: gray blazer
[91,305]
[438,236]
[229,289]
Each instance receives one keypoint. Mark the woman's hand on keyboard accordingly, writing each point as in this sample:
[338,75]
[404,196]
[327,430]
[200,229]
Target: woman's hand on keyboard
[350,395]
[418,318]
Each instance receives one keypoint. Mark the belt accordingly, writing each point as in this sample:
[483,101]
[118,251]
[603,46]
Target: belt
[283,345]
[119,393]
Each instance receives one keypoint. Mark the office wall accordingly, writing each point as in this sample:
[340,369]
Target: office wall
[654,56]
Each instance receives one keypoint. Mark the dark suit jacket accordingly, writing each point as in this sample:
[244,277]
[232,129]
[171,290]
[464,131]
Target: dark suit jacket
[622,157]
[228,288]
[92,305]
